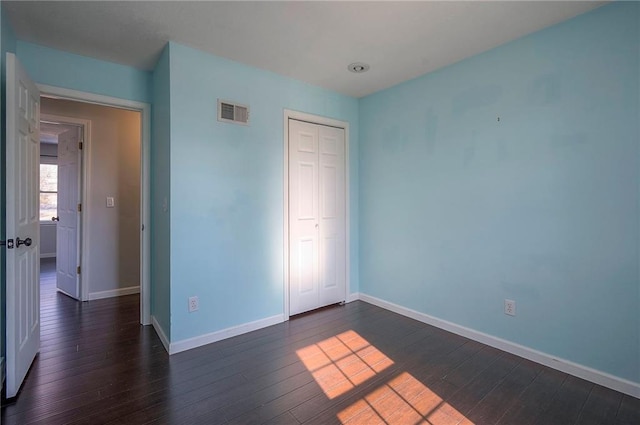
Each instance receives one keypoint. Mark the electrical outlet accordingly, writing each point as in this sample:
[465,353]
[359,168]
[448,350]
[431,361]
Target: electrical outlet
[193,304]
[510,307]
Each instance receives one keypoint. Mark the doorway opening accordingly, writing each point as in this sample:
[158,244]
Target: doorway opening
[60,199]
[23,331]
[98,244]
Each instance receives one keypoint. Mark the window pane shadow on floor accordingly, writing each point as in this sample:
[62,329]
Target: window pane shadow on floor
[341,363]
[352,364]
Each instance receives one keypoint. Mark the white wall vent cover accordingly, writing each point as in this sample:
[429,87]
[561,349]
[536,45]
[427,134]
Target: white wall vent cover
[233,112]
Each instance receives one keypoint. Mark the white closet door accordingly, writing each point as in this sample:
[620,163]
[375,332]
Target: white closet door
[316,216]
[332,229]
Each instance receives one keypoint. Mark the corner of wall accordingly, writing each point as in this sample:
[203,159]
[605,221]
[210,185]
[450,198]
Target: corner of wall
[160,225]
[161,334]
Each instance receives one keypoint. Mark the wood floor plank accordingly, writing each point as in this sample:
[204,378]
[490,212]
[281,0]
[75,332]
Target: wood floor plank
[504,395]
[470,396]
[567,402]
[601,407]
[97,365]
[535,398]
[629,411]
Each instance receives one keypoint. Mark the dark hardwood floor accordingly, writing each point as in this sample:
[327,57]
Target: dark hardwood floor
[352,364]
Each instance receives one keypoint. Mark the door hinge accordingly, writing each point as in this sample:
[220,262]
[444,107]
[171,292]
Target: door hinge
[79,207]
[8,243]
[80,145]
[78,270]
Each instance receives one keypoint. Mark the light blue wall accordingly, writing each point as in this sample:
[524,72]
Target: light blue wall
[7,44]
[459,211]
[227,189]
[62,69]
[160,184]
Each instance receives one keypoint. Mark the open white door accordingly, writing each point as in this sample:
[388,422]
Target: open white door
[23,224]
[67,260]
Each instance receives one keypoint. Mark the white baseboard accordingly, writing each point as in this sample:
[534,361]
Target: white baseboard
[114,293]
[160,332]
[566,366]
[189,343]
[355,296]
[48,255]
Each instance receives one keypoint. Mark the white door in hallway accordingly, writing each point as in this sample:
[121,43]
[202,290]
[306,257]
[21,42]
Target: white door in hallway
[23,224]
[68,260]
[317,216]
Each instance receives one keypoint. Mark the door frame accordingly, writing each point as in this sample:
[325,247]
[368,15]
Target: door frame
[145,213]
[83,192]
[330,122]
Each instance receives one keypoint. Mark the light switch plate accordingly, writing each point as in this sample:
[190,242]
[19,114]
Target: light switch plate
[110,202]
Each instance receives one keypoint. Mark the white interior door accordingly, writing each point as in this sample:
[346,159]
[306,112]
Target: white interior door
[23,219]
[332,216]
[67,260]
[317,217]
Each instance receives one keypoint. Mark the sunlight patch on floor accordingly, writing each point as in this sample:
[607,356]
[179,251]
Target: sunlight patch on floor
[403,400]
[342,362]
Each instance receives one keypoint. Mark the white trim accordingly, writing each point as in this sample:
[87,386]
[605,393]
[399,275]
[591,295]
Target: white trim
[50,160]
[189,343]
[86,97]
[145,216]
[83,197]
[160,332]
[3,374]
[114,292]
[352,297]
[315,119]
[145,213]
[48,255]
[566,366]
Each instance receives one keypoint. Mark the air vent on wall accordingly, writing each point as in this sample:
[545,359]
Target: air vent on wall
[233,112]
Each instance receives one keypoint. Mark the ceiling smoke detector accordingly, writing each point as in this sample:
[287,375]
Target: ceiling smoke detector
[358,67]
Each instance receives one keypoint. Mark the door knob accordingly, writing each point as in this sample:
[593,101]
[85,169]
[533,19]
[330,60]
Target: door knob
[55,218]
[25,242]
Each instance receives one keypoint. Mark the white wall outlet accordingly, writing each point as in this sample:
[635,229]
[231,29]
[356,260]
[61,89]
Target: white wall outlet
[110,202]
[193,304]
[510,307]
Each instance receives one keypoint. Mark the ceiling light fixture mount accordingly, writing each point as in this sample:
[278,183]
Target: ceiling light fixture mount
[358,67]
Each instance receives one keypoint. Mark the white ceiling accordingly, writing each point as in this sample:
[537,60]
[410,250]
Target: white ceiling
[309,41]
[50,131]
